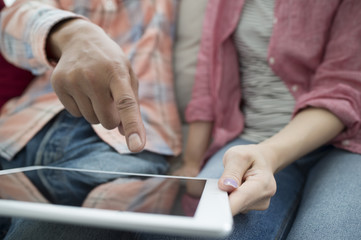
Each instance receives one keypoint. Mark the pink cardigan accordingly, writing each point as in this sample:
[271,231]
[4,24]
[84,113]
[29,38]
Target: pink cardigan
[315,49]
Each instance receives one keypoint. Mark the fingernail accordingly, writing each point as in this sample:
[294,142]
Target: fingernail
[230,182]
[134,142]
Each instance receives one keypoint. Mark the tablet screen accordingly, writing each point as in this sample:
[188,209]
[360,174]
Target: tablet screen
[103,190]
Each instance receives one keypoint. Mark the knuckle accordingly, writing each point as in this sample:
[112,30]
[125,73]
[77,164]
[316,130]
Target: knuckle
[130,126]
[126,103]
[56,80]
[89,114]
[260,205]
[117,69]
[272,188]
[269,188]
[270,193]
[73,74]
[73,111]
[110,121]
[265,205]
[109,124]
[237,155]
[91,119]
[89,75]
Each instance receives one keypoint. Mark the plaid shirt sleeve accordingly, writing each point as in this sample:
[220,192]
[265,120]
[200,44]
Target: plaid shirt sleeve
[24,29]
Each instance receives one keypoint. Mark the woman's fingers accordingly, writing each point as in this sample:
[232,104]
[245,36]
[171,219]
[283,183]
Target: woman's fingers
[248,178]
[254,194]
[236,162]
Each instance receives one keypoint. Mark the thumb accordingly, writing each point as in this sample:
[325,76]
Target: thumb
[235,167]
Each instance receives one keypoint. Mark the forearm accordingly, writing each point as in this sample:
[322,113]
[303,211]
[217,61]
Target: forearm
[199,136]
[308,130]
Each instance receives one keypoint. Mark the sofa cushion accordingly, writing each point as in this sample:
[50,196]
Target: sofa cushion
[13,80]
[186,46]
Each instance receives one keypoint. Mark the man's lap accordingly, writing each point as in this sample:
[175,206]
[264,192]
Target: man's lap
[71,142]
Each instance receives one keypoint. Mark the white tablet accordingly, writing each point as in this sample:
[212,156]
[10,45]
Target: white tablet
[138,202]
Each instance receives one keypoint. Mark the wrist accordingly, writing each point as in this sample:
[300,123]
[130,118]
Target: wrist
[273,156]
[66,33]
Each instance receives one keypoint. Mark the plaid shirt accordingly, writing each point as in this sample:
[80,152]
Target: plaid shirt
[143,29]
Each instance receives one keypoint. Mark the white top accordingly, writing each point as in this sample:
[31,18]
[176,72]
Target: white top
[267,103]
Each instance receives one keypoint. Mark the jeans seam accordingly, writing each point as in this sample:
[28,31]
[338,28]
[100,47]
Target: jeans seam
[39,159]
[288,221]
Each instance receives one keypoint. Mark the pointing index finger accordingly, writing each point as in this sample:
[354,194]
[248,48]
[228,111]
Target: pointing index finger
[126,103]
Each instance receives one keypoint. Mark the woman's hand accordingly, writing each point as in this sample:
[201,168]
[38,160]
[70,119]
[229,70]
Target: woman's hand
[94,79]
[249,169]
[248,177]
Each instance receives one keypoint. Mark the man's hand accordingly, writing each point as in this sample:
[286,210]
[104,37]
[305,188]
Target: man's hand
[94,79]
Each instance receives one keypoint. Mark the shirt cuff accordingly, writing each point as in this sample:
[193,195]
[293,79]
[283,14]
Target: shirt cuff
[50,17]
[340,102]
[199,110]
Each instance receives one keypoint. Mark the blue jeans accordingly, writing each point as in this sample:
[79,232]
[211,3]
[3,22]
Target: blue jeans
[71,142]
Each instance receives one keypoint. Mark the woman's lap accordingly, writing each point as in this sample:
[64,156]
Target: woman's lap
[330,207]
[317,197]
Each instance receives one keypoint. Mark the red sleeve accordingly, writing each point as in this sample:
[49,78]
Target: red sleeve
[336,85]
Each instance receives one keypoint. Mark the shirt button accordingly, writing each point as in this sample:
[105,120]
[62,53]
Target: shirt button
[294,88]
[271,60]
[275,20]
[345,142]
[110,6]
